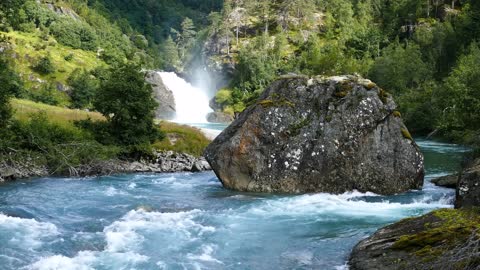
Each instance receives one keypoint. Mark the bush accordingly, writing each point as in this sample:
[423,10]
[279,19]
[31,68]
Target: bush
[45,65]
[83,88]
[65,147]
[75,34]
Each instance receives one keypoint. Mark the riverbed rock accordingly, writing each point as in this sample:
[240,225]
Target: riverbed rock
[444,239]
[219,117]
[468,190]
[16,165]
[166,101]
[448,181]
[163,162]
[319,134]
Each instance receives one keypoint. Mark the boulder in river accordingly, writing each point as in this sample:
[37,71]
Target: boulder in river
[448,181]
[166,101]
[319,134]
[468,189]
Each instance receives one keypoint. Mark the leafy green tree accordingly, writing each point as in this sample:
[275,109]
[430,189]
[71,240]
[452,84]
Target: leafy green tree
[10,85]
[83,88]
[171,59]
[459,98]
[128,104]
[400,68]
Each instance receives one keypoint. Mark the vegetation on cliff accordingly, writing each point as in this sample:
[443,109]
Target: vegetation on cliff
[423,52]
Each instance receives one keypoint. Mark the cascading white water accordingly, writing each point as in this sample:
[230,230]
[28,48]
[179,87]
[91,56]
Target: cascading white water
[192,103]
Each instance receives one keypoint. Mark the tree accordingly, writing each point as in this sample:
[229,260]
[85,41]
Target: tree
[128,104]
[400,68]
[186,38]
[10,85]
[459,98]
[170,55]
[83,88]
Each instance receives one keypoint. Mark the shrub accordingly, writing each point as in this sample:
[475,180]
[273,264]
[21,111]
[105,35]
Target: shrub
[44,65]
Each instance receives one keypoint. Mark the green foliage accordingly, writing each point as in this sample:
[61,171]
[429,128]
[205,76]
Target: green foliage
[10,85]
[45,65]
[181,138]
[63,146]
[127,103]
[75,34]
[83,88]
[400,68]
[459,98]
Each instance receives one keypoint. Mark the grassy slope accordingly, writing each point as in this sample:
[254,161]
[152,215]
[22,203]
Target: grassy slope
[180,138]
[29,47]
[25,108]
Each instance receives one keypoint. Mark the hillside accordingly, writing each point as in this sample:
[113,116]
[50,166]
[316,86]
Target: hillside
[422,52]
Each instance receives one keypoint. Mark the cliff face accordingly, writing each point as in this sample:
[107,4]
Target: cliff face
[166,101]
[331,135]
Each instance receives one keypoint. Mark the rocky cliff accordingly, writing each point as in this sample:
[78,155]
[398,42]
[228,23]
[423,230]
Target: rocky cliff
[318,135]
[166,101]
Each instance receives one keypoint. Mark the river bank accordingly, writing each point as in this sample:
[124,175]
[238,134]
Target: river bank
[14,166]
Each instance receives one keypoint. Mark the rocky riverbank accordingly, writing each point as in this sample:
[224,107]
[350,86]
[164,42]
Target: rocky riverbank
[14,166]
[444,239]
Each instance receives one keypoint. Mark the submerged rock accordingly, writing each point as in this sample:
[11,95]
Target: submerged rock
[468,190]
[332,135]
[166,101]
[448,181]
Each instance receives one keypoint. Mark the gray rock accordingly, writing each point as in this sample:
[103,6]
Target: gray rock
[468,190]
[318,135]
[219,117]
[448,181]
[421,243]
[164,96]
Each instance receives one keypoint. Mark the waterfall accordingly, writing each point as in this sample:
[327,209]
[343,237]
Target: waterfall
[192,103]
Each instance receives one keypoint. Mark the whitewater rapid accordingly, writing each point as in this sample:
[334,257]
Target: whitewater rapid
[192,103]
[188,221]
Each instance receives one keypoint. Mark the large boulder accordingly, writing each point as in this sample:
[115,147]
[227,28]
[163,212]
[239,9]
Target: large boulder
[468,186]
[318,134]
[164,96]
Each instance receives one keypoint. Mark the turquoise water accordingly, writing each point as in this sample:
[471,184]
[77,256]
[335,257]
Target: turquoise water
[188,221]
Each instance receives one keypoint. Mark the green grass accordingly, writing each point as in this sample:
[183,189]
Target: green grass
[182,138]
[29,47]
[24,109]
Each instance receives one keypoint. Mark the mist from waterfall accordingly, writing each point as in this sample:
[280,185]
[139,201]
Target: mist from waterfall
[192,103]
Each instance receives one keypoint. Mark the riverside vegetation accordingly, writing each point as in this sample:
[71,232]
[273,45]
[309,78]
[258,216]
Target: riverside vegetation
[72,88]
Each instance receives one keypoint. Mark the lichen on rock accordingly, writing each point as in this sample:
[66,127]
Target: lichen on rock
[321,134]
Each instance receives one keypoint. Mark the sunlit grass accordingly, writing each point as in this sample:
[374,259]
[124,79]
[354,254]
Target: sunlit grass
[25,108]
[182,138]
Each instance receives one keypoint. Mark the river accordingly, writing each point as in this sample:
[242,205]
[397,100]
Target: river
[188,221]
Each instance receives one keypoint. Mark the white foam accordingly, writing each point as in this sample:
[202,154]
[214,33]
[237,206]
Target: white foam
[206,255]
[89,260]
[26,233]
[192,103]
[344,205]
[127,233]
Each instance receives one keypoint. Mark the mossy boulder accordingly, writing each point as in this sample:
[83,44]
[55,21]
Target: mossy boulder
[443,239]
[319,134]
